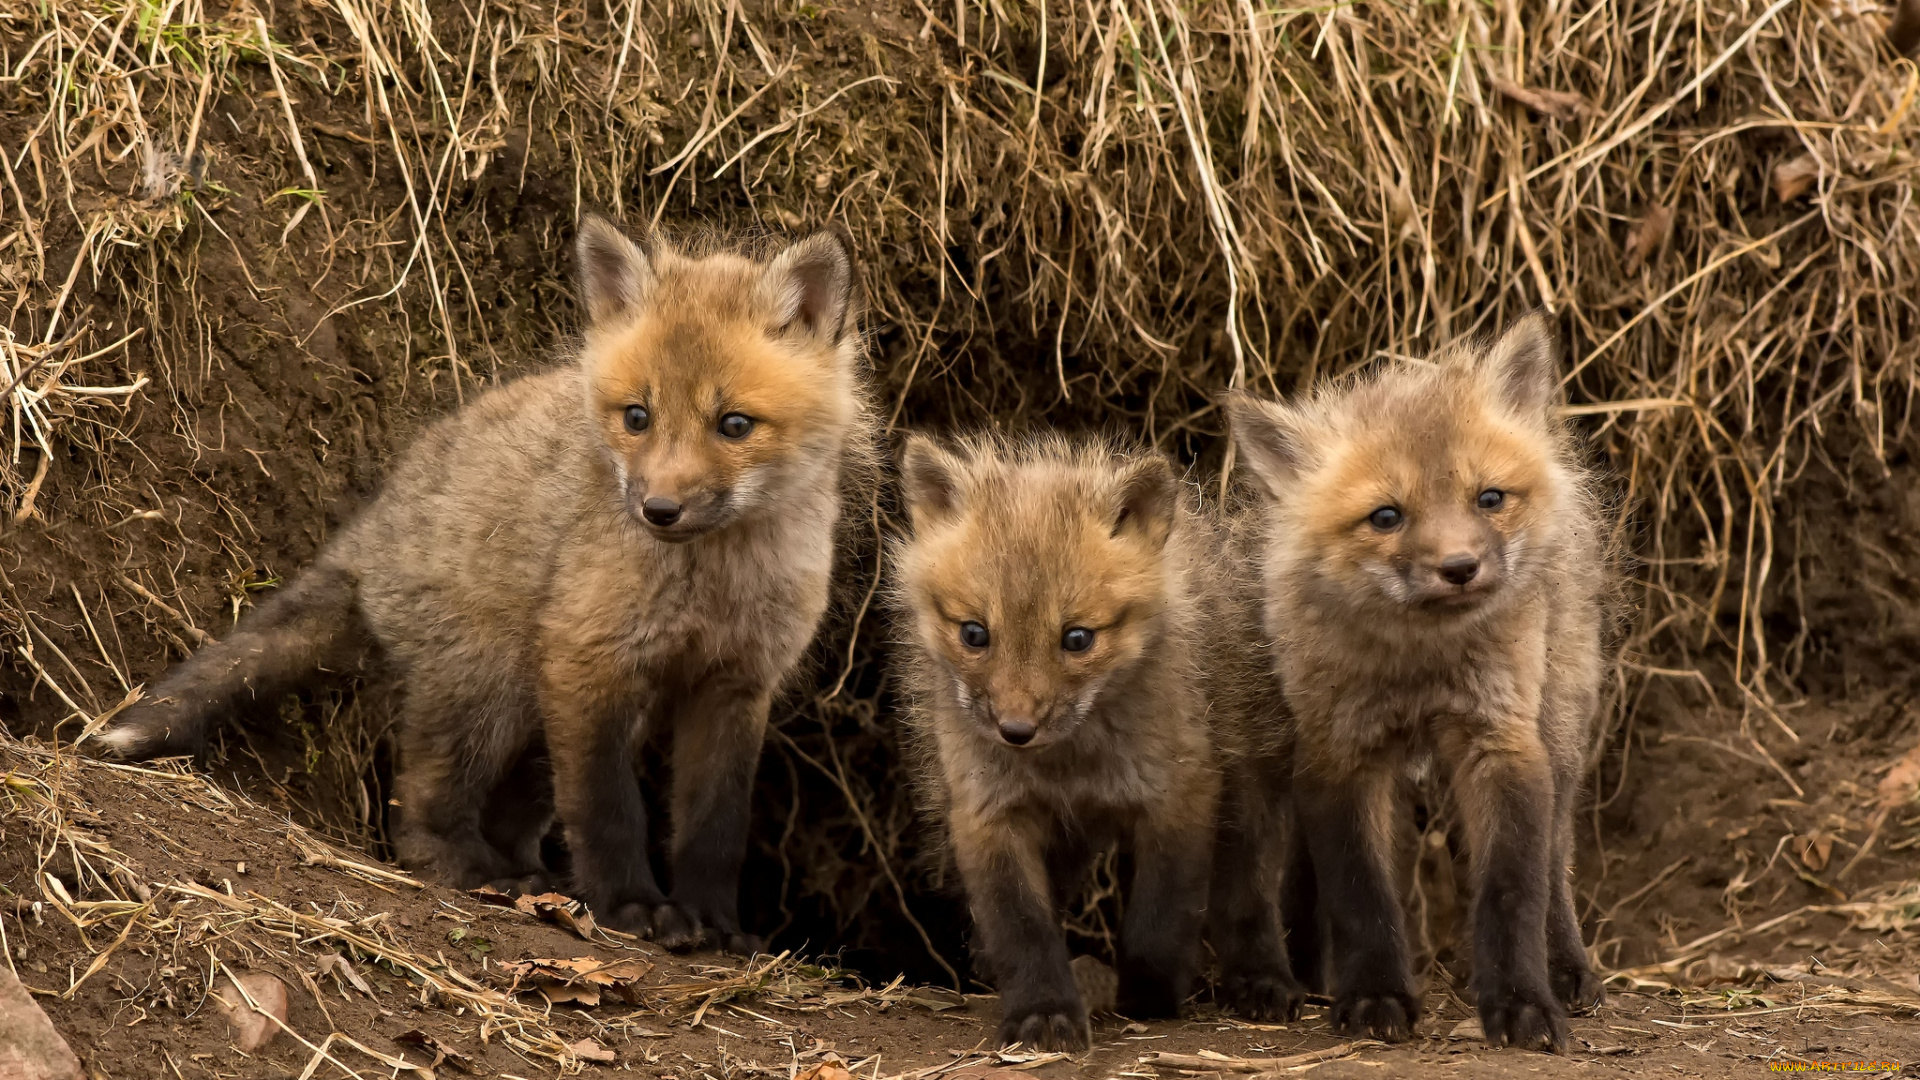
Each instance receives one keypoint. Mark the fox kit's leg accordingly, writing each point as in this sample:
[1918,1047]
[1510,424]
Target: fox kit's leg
[1160,940]
[517,816]
[1572,977]
[593,737]
[1300,912]
[1349,825]
[310,624]
[1504,785]
[716,750]
[455,747]
[1256,977]
[1002,864]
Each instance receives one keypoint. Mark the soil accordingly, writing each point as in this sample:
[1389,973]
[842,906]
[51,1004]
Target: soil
[146,1011]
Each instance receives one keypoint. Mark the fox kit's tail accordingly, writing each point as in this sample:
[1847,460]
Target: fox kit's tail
[313,623]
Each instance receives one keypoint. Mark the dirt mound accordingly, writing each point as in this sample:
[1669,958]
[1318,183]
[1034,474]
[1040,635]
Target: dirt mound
[162,891]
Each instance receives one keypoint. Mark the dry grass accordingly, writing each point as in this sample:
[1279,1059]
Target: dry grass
[85,880]
[1073,213]
[54,803]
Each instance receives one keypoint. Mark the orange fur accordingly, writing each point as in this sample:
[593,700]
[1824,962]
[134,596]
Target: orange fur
[513,570]
[1030,750]
[1433,577]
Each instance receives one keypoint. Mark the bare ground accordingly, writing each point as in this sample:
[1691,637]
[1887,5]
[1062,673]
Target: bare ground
[185,882]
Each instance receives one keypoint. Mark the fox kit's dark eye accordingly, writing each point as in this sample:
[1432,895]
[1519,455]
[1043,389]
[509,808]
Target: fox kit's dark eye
[1386,519]
[637,418]
[1077,639]
[736,425]
[973,635]
[1492,499]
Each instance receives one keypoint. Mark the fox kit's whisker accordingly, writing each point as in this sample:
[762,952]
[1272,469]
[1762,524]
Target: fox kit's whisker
[1432,576]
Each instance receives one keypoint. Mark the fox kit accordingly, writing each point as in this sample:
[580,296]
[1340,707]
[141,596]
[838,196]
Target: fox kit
[1433,580]
[1054,601]
[640,540]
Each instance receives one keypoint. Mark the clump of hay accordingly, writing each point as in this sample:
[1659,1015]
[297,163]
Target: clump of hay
[247,250]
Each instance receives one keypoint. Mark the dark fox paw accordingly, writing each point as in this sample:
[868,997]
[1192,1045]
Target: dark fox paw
[1051,1027]
[1262,995]
[633,917]
[1387,1015]
[678,928]
[526,884]
[1577,987]
[1528,1019]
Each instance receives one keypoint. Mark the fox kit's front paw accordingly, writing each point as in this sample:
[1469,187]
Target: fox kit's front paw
[1048,1026]
[1260,995]
[1577,987]
[679,928]
[1529,1019]
[632,917]
[1387,1015]
[533,884]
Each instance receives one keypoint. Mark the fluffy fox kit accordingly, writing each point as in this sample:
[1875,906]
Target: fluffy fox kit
[1432,576]
[1054,598]
[639,540]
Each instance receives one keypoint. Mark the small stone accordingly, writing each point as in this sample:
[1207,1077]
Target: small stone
[588,1050]
[30,1049]
[253,1029]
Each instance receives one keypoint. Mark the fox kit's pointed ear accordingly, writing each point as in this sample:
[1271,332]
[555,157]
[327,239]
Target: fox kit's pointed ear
[930,480]
[615,272]
[809,286]
[1149,497]
[1525,361]
[1268,437]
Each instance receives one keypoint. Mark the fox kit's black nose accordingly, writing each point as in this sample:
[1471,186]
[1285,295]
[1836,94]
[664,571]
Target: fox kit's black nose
[1017,732]
[1459,569]
[661,512]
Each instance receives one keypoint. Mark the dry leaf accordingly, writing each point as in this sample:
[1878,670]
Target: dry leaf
[571,994]
[253,1025]
[1467,1029]
[491,895]
[1815,850]
[1558,104]
[588,1050]
[581,980]
[1649,238]
[442,1053]
[341,968]
[830,1068]
[561,910]
[550,907]
[1792,179]
[1896,789]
